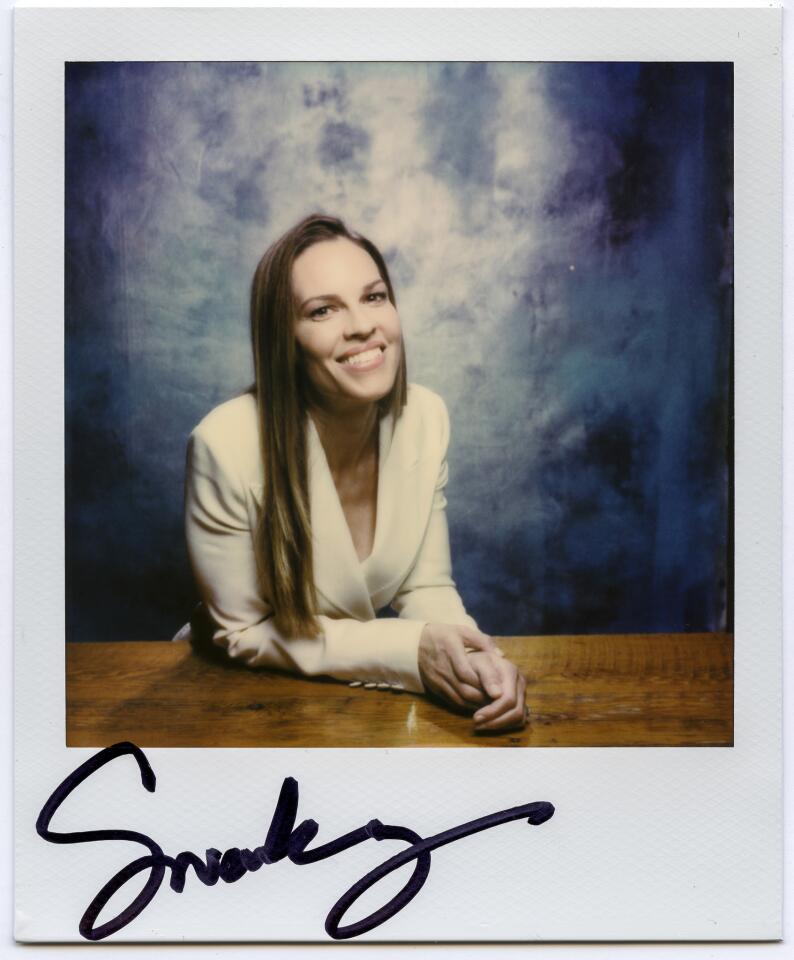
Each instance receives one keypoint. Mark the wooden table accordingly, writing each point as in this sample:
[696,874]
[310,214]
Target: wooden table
[583,691]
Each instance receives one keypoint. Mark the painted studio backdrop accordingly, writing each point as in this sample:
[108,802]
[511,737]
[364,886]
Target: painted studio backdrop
[559,236]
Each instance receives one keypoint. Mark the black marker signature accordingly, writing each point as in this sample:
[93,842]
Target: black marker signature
[283,839]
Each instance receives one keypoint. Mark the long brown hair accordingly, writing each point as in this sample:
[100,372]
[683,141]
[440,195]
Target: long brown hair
[283,537]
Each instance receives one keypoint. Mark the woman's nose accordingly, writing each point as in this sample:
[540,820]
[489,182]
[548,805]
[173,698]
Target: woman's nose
[359,322]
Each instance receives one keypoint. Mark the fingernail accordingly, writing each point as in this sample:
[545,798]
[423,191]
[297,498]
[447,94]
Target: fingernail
[495,691]
[478,718]
[501,653]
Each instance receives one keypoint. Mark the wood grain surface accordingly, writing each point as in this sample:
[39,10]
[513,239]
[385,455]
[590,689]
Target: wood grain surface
[583,691]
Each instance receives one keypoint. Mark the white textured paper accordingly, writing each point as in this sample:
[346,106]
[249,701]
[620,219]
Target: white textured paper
[646,843]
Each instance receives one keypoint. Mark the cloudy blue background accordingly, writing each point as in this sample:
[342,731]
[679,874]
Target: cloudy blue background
[559,236]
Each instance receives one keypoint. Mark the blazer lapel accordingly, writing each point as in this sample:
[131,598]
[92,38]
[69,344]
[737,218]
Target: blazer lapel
[338,575]
[401,514]
[405,492]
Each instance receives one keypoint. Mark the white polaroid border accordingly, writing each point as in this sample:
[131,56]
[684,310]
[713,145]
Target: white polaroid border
[645,844]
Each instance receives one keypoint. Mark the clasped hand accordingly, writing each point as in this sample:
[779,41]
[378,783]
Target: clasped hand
[465,667]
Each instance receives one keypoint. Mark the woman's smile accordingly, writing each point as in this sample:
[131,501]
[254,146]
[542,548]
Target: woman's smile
[363,359]
[347,328]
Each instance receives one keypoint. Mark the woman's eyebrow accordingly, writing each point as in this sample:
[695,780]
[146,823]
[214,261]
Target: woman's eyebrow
[317,296]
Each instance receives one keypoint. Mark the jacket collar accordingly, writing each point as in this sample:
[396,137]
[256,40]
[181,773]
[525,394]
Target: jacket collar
[345,582]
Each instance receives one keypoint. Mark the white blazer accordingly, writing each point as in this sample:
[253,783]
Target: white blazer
[409,566]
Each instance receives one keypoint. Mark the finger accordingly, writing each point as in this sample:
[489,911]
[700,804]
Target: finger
[490,677]
[461,666]
[511,719]
[446,691]
[474,696]
[507,701]
[480,641]
[496,710]
[508,675]
[477,639]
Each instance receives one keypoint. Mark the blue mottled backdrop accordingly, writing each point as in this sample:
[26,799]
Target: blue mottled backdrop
[560,240]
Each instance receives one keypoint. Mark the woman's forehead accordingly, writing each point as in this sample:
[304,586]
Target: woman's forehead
[331,264]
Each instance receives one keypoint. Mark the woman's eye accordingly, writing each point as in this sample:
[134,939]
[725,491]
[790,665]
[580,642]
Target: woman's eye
[376,297]
[319,312]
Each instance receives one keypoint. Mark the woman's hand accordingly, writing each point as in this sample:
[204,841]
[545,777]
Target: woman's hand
[447,668]
[509,710]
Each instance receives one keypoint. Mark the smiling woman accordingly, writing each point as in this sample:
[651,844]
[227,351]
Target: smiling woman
[317,499]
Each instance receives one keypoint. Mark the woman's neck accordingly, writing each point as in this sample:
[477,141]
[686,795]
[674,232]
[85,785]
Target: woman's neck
[348,437]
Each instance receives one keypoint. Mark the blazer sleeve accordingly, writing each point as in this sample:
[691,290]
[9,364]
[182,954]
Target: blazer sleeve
[221,552]
[429,593]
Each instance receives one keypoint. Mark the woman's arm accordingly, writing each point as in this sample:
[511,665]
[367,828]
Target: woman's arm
[429,593]
[221,551]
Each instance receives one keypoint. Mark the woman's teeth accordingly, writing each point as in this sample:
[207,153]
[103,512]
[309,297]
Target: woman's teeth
[360,358]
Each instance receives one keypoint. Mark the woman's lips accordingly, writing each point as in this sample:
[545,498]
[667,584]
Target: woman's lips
[364,360]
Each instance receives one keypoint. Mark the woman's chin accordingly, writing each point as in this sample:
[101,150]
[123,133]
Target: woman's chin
[365,386]
[363,394]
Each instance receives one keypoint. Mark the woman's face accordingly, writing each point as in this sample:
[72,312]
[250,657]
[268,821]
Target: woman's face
[348,331]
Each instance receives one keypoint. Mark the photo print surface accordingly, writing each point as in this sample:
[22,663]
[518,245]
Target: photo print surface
[559,236]
[579,211]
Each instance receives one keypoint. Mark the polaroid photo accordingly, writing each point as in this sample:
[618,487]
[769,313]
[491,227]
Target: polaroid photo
[395,387]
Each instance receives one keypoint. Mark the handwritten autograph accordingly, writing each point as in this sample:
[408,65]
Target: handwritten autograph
[283,839]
